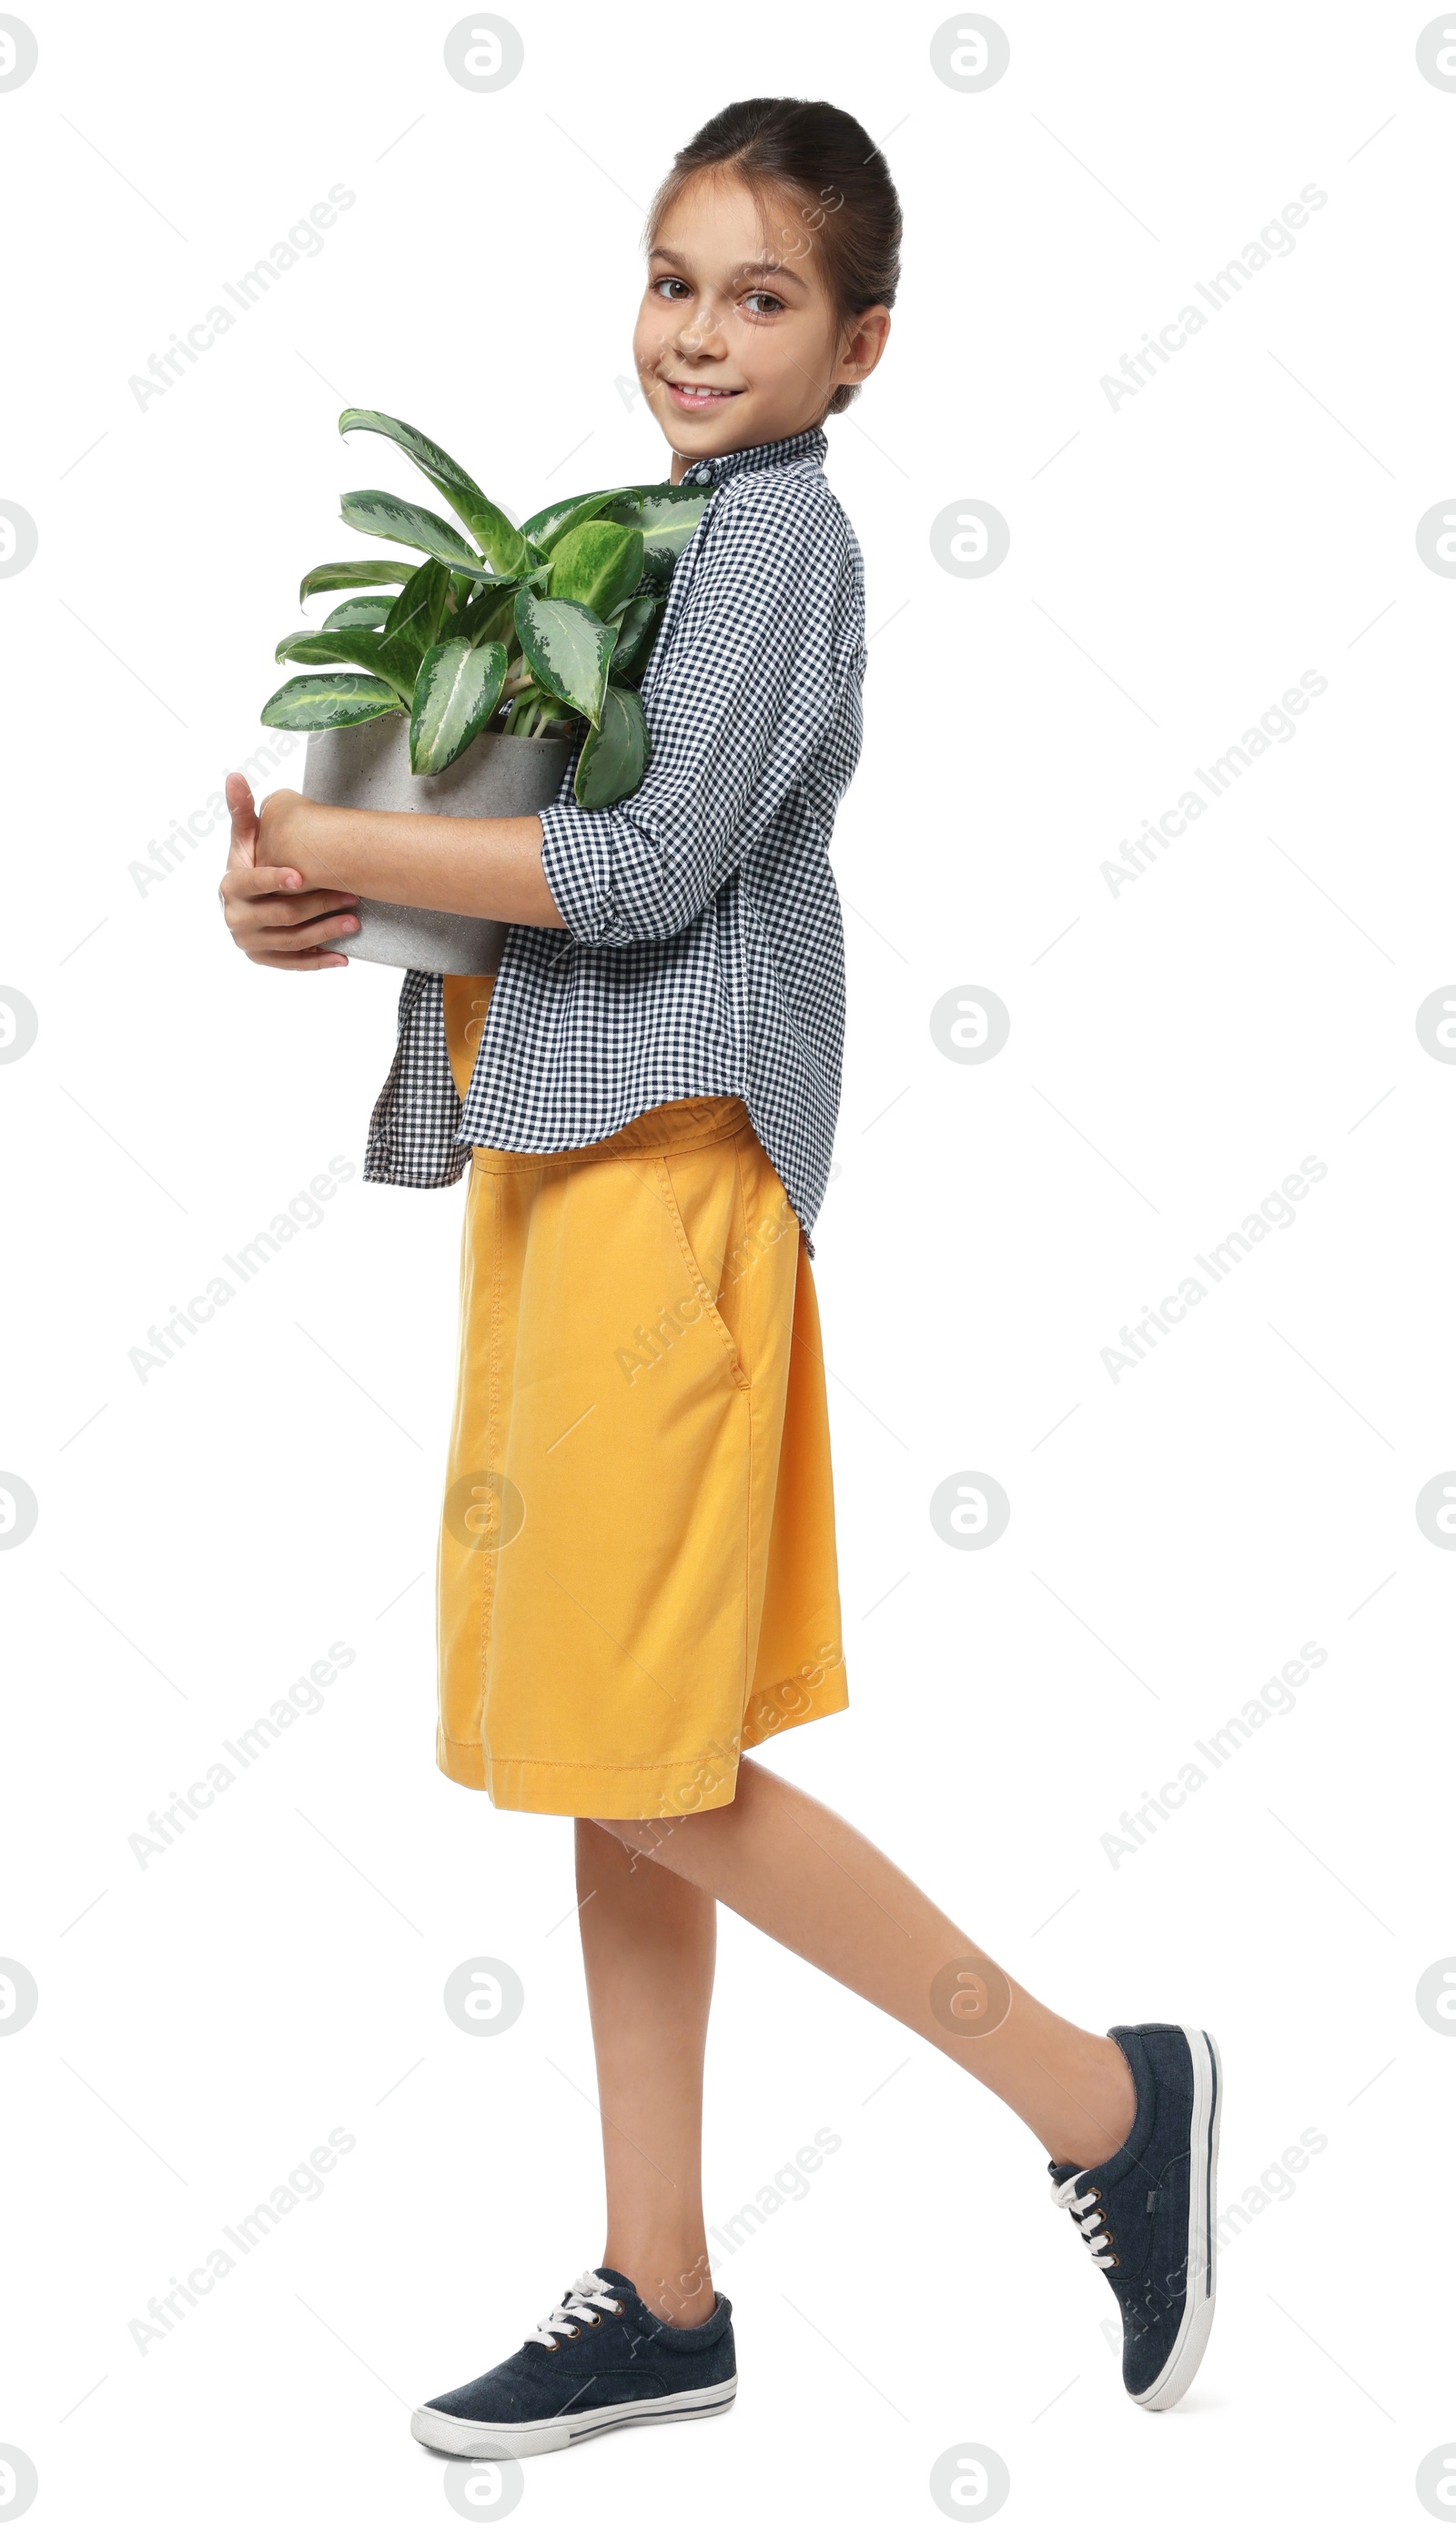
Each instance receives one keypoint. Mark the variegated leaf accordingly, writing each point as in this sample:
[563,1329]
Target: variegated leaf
[356,612]
[418,614]
[381,652]
[598,563]
[567,650]
[545,527]
[614,756]
[504,547]
[458,691]
[369,573]
[385,515]
[637,626]
[667,515]
[329,704]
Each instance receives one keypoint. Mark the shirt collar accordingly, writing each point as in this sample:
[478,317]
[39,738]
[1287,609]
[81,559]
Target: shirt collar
[811,443]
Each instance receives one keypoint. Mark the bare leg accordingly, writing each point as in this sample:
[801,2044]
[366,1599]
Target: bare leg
[809,1879]
[648,1940]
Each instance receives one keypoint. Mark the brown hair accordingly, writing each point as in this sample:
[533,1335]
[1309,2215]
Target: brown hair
[846,202]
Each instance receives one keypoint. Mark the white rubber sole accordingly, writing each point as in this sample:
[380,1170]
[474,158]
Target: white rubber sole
[437,2431]
[1180,2369]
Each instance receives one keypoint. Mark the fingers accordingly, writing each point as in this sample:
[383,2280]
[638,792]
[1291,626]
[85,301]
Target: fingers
[297,959]
[272,918]
[263,930]
[273,932]
[257,880]
[275,921]
[239,794]
[299,915]
[293,947]
[254,882]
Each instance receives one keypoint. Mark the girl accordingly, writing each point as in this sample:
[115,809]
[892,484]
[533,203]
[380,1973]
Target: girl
[636,1575]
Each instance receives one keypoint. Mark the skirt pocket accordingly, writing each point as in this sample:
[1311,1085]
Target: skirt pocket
[710,1187]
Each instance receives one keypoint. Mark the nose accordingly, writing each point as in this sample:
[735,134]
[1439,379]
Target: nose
[699,337]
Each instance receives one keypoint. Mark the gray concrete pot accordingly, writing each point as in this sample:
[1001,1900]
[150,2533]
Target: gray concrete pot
[367,768]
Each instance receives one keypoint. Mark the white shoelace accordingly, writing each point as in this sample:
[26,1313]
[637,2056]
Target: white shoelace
[1067,2198]
[587,2296]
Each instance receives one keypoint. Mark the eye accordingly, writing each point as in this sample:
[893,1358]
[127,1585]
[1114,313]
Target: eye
[669,283]
[769,305]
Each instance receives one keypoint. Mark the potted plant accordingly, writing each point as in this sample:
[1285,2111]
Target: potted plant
[466,679]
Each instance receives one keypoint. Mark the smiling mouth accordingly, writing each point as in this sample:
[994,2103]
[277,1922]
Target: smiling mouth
[688,394]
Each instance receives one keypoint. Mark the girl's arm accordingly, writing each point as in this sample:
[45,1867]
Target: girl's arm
[463,866]
[739,699]
[298,868]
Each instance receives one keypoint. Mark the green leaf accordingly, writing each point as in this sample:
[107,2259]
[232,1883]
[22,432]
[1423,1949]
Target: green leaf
[567,650]
[490,616]
[504,547]
[546,527]
[458,691]
[419,612]
[637,624]
[369,573]
[599,564]
[329,704]
[667,515]
[614,756]
[385,515]
[675,492]
[387,657]
[358,612]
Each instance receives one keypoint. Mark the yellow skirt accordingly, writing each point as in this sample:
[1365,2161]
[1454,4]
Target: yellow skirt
[637,1574]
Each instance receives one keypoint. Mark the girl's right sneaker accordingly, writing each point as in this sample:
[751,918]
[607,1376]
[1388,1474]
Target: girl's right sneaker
[1147,2213]
[601,2359]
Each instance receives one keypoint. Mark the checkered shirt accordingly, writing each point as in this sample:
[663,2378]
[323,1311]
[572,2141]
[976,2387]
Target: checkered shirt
[703,951]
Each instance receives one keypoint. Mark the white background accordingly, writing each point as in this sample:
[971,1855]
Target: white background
[205,1535]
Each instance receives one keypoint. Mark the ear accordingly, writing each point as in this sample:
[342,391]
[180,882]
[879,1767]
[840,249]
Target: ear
[865,339]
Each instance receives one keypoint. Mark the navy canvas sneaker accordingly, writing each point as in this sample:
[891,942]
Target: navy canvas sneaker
[600,2360]
[1147,2213]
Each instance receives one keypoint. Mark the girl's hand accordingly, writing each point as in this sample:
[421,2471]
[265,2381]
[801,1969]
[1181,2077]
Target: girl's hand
[270,914]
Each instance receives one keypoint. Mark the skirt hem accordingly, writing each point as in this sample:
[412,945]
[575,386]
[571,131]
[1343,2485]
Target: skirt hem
[631,1793]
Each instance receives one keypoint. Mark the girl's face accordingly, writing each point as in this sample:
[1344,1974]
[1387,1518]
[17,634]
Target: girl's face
[737,341]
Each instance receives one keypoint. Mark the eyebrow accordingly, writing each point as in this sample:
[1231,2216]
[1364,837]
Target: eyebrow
[740,272]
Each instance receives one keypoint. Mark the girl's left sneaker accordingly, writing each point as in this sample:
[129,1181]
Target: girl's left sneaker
[1147,2213]
[599,2361]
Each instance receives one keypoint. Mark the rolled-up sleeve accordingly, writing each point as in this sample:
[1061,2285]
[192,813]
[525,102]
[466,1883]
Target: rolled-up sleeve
[739,694]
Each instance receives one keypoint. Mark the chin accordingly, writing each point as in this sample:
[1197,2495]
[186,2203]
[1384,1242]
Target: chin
[712,433]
